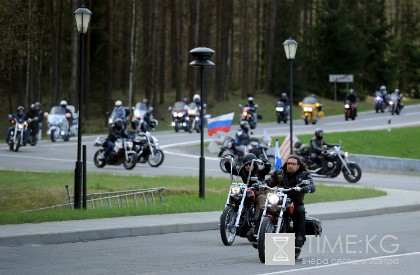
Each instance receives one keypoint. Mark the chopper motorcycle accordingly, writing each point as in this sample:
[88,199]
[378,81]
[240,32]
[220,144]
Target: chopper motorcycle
[281,112]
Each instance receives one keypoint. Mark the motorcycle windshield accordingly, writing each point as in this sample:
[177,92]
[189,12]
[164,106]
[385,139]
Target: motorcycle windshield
[179,107]
[140,110]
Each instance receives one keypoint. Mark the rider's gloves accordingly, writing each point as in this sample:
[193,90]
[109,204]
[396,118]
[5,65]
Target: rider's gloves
[305,189]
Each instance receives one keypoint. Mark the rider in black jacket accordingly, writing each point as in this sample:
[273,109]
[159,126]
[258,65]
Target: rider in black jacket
[291,174]
[318,145]
[115,132]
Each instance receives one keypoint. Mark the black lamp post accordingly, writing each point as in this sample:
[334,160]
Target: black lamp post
[82,17]
[290,47]
[201,56]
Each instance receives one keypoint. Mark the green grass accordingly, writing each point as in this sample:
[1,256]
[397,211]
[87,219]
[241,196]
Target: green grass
[35,190]
[399,142]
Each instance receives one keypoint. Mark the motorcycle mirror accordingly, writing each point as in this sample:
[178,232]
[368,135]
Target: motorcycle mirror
[46,114]
[170,108]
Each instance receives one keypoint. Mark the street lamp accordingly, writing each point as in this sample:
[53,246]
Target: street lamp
[201,56]
[82,17]
[290,47]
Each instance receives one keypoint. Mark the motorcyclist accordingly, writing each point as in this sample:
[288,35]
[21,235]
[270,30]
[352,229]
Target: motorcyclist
[260,169]
[20,115]
[291,174]
[242,136]
[119,112]
[33,115]
[284,99]
[148,117]
[116,131]
[40,116]
[252,108]
[384,94]
[66,111]
[197,101]
[317,148]
[353,99]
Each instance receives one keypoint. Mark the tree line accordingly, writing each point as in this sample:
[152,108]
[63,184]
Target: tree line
[138,49]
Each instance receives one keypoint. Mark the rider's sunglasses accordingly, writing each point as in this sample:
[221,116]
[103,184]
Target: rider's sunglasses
[292,163]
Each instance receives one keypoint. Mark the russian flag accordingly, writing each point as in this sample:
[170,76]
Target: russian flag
[220,124]
[278,162]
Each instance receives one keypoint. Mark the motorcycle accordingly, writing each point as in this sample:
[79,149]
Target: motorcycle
[147,148]
[379,103]
[17,135]
[395,105]
[281,112]
[248,114]
[277,218]
[238,212]
[337,161]
[349,110]
[261,148]
[58,123]
[32,134]
[122,153]
[311,110]
[141,111]
[193,118]
[179,116]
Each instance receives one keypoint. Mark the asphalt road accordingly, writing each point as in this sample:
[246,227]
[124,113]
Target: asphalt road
[384,244]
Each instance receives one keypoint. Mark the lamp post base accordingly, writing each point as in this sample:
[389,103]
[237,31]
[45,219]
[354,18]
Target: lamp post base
[201,189]
[77,184]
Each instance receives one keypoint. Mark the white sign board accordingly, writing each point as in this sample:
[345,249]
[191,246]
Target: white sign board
[341,78]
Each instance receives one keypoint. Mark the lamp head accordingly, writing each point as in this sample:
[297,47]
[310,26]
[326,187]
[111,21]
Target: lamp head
[82,17]
[202,56]
[290,47]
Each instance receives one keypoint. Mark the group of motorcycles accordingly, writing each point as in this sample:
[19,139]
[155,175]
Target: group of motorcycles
[393,101]
[237,216]
[186,117]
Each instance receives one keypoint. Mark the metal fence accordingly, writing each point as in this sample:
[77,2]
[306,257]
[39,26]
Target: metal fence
[120,199]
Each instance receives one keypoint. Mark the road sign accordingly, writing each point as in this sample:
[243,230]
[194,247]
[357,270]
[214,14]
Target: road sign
[338,78]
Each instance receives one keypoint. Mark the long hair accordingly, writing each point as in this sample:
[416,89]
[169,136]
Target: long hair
[302,165]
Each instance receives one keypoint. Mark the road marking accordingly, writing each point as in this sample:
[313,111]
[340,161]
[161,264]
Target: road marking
[344,263]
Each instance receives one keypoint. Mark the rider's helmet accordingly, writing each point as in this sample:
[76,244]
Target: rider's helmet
[248,158]
[118,103]
[135,123]
[397,91]
[351,91]
[63,103]
[319,133]
[118,123]
[382,88]
[185,100]
[196,98]
[283,95]
[37,105]
[145,101]
[20,110]
[32,108]
[244,125]
[251,100]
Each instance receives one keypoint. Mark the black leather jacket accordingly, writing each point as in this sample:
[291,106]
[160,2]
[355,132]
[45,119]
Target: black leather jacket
[317,145]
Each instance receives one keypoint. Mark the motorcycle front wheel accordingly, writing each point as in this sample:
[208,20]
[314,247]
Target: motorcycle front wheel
[157,160]
[266,226]
[227,225]
[356,173]
[99,162]
[53,136]
[131,161]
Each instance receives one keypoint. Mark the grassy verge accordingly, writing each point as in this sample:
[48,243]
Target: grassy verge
[34,190]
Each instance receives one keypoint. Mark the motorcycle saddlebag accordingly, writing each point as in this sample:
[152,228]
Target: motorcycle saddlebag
[312,226]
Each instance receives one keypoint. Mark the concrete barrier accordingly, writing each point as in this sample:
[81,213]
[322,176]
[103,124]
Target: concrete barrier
[386,163]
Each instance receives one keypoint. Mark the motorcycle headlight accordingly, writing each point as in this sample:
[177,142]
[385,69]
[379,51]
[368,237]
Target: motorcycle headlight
[20,126]
[110,121]
[234,190]
[130,145]
[273,199]
[136,113]
[346,154]
[279,109]
[378,98]
[346,106]
[307,109]
[180,114]
[391,102]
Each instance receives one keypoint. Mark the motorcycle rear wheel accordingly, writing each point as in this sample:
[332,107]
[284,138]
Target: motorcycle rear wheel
[99,162]
[227,225]
[356,173]
[266,226]
[131,162]
[157,160]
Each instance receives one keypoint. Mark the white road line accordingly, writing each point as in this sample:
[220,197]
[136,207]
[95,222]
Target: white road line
[343,263]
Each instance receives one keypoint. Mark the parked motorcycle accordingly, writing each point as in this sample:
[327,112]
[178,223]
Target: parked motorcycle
[349,110]
[179,116]
[277,218]
[395,105]
[379,102]
[122,153]
[337,161]
[282,112]
[311,110]
[58,123]
[238,212]
[248,114]
[18,134]
[147,148]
